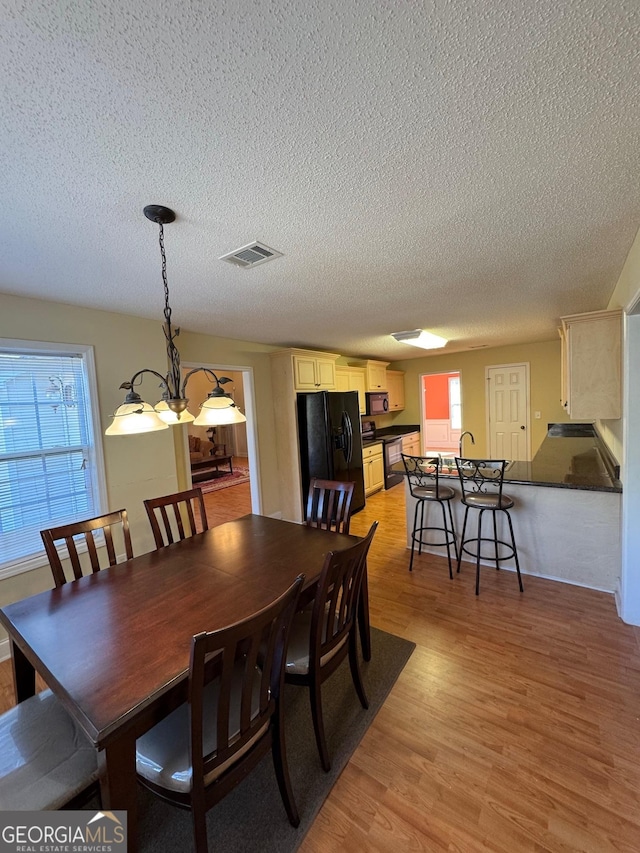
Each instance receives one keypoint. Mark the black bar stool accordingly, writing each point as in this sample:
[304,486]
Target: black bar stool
[423,473]
[481,483]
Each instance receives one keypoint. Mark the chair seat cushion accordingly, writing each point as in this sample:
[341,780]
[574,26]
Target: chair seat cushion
[482,500]
[299,641]
[45,758]
[162,753]
[426,493]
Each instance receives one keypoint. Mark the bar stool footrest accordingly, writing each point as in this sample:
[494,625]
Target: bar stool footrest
[489,557]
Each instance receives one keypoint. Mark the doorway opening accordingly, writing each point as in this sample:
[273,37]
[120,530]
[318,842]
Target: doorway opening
[223,460]
[441,411]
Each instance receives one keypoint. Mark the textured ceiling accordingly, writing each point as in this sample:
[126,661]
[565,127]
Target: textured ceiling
[469,167]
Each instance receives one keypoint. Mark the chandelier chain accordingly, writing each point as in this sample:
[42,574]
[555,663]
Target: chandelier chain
[173,378]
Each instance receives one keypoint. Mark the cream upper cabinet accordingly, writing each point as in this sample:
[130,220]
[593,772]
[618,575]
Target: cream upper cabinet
[375,374]
[395,387]
[313,372]
[591,365]
[352,379]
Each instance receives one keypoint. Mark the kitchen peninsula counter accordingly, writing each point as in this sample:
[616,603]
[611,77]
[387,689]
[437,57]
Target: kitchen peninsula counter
[567,509]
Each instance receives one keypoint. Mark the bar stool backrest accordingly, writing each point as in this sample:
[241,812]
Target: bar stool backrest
[481,476]
[422,472]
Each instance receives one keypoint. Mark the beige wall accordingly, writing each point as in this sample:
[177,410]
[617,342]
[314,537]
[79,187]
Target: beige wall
[137,467]
[544,364]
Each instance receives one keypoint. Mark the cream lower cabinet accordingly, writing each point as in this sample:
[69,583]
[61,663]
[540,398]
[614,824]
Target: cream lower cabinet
[352,379]
[373,464]
[592,365]
[411,444]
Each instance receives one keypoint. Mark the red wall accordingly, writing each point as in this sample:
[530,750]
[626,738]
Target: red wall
[436,396]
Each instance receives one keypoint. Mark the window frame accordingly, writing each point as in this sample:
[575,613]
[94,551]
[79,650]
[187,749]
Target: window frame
[39,558]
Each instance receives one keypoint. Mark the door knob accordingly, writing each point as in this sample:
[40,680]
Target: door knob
[522,427]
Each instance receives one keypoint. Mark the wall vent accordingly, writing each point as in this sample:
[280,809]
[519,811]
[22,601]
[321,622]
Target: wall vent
[251,255]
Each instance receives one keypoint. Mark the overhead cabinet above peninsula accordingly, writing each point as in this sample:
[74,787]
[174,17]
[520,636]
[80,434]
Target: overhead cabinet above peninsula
[591,365]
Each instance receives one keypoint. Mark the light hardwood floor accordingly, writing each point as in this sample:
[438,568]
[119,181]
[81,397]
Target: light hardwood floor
[514,726]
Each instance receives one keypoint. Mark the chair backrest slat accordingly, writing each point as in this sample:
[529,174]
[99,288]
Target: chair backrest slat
[335,603]
[329,505]
[240,654]
[183,520]
[87,528]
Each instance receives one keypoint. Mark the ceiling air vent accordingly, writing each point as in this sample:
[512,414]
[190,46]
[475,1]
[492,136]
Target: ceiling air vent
[251,255]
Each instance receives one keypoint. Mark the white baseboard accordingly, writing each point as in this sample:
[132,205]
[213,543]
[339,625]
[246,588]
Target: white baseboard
[442,552]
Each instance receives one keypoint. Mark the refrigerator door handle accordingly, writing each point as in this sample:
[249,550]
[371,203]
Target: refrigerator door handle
[348,429]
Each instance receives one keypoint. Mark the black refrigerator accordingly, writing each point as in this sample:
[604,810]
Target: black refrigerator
[331,441]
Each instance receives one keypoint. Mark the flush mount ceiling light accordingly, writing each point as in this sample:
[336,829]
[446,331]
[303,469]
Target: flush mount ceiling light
[134,415]
[418,338]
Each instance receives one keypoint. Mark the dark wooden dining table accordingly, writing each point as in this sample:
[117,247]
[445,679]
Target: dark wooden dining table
[114,646]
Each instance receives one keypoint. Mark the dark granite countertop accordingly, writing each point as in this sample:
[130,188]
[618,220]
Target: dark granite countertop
[572,456]
[393,432]
[372,442]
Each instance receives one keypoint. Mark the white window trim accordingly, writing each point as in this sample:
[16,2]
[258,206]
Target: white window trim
[39,558]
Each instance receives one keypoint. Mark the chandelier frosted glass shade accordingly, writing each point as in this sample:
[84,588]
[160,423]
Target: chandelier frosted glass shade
[133,418]
[171,418]
[218,411]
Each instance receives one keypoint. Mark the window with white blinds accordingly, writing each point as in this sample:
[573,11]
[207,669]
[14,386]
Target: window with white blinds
[50,454]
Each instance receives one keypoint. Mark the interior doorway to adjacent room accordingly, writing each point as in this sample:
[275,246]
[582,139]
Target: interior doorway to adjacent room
[223,460]
[441,411]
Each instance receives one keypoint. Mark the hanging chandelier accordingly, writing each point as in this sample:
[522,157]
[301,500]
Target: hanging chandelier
[134,415]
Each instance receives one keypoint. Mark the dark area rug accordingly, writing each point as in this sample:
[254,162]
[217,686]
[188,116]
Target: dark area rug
[252,818]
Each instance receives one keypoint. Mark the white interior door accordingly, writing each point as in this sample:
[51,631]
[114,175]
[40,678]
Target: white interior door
[508,411]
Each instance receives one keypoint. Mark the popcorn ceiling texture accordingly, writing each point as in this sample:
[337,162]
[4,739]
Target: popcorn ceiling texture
[469,167]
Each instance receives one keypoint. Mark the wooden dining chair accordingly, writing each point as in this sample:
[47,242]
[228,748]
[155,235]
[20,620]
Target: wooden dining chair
[233,716]
[89,529]
[46,761]
[324,633]
[329,505]
[181,522]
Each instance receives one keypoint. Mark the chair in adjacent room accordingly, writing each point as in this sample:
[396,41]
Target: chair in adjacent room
[423,473]
[481,481]
[325,632]
[46,761]
[103,527]
[329,505]
[180,522]
[233,717]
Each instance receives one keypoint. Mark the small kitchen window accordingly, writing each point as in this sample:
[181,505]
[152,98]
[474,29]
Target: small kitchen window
[51,466]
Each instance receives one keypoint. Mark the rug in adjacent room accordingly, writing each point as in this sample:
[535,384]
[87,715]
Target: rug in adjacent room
[240,475]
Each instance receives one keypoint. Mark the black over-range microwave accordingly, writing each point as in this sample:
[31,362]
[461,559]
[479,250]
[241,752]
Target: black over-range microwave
[377,403]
